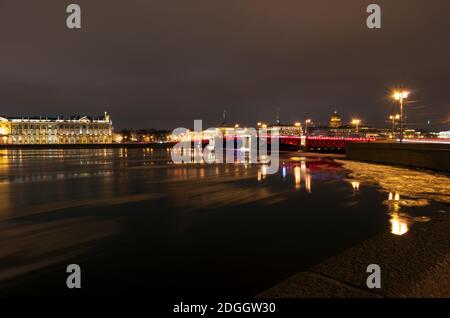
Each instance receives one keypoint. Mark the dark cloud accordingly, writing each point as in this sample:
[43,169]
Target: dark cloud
[164,63]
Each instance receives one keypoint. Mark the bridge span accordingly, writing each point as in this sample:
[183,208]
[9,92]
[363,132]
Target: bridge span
[332,144]
[306,143]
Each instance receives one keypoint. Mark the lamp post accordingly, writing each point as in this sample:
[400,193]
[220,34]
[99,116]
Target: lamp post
[400,96]
[394,118]
[356,122]
[307,122]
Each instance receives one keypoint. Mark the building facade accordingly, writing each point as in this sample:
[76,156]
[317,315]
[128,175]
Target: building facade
[444,134]
[56,130]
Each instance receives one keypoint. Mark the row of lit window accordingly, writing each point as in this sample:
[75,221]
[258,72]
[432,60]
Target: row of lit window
[56,126]
[54,132]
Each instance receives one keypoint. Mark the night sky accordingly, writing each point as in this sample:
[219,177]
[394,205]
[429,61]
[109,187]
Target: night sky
[164,63]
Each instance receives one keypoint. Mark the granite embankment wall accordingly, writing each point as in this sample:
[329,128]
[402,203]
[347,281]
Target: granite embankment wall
[425,156]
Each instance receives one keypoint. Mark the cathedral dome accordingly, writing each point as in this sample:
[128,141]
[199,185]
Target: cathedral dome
[335,120]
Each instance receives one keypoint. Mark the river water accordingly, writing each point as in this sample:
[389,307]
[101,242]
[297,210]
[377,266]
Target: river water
[134,221]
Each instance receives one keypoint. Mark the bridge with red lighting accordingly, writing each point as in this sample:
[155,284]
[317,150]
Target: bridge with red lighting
[310,143]
[321,143]
[333,143]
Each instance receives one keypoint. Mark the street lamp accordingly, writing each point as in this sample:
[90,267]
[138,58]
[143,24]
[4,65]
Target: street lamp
[307,122]
[356,122]
[394,118]
[400,96]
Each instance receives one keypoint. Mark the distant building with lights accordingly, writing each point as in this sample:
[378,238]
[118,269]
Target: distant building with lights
[336,128]
[335,120]
[56,130]
[444,134]
[143,136]
[283,130]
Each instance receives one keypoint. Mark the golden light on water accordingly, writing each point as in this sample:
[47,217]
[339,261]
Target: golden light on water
[308,182]
[262,172]
[355,185]
[5,187]
[300,174]
[307,176]
[398,225]
[303,166]
[298,177]
[394,196]
[4,160]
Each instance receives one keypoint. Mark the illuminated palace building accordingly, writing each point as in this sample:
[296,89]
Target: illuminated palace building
[56,130]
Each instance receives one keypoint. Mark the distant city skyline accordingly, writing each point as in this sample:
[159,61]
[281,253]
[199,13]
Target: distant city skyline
[163,64]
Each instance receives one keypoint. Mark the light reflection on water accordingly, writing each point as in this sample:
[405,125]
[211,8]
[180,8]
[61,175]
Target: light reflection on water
[399,223]
[35,182]
[34,166]
[405,188]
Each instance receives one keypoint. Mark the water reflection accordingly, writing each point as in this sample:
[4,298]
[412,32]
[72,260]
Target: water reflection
[301,174]
[296,166]
[5,190]
[405,188]
[74,199]
[78,176]
[298,177]
[307,176]
[262,172]
[290,172]
[355,185]
[200,156]
[399,222]
[417,187]
[398,225]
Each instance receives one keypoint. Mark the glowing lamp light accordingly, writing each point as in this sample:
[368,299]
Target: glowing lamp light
[401,95]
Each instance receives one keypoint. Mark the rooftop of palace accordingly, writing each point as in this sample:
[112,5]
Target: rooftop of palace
[73,118]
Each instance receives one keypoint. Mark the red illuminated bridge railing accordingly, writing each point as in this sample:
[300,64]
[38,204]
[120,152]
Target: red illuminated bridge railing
[333,142]
[313,142]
